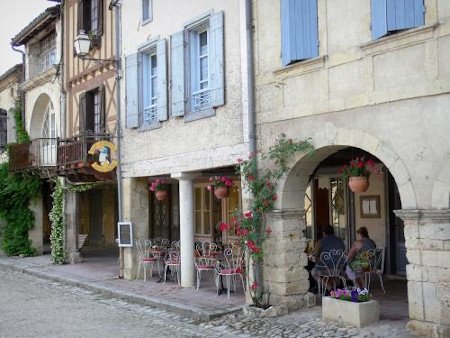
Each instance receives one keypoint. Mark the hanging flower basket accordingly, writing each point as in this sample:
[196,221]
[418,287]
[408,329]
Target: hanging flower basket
[161,195]
[358,183]
[220,185]
[221,192]
[159,188]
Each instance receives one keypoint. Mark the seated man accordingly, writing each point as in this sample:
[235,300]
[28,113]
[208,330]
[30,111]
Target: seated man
[327,243]
[357,257]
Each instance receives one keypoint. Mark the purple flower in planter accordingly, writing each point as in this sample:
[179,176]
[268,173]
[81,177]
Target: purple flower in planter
[354,296]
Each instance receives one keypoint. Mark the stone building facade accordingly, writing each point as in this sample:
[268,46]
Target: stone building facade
[40,95]
[361,82]
[9,93]
[187,125]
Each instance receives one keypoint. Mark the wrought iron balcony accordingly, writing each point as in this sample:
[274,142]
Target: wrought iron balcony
[34,155]
[73,151]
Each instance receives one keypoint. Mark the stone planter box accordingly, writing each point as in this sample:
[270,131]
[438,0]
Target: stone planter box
[355,314]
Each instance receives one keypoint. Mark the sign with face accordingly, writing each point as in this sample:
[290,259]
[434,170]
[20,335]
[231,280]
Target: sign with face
[106,156]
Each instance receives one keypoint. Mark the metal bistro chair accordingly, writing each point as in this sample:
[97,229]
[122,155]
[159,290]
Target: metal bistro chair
[172,261]
[205,259]
[147,258]
[331,265]
[230,266]
[375,258]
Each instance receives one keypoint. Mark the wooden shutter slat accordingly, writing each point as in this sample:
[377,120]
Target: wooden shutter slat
[216,60]
[161,79]
[178,80]
[379,18]
[132,94]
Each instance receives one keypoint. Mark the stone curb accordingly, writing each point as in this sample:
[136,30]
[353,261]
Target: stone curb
[190,312]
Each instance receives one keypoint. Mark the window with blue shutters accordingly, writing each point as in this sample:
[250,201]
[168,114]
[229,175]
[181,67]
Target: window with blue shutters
[390,16]
[147,11]
[146,74]
[198,68]
[299,30]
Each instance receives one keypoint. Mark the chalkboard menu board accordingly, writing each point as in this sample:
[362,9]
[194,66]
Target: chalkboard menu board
[125,231]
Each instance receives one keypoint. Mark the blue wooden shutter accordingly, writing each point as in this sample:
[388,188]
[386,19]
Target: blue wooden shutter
[404,14]
[299,30]
[132,93]
[216,60]
[178,97]
[161,79]
[379,19]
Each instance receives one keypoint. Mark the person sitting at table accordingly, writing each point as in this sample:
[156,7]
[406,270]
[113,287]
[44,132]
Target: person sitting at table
[357,257]
[327,243]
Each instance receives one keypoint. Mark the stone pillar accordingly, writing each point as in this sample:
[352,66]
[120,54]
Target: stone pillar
[136,211]
[186,228]
[285,277]
[71,201]
[427,237]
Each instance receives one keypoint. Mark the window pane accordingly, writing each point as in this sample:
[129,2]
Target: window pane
[207,199]
[203,43]
[198,222]
[207,222]
[145,9]
[198,199]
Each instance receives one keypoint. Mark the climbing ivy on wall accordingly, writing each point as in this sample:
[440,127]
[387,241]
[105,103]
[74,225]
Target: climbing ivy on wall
[16,192]
[57,218]
[22,135]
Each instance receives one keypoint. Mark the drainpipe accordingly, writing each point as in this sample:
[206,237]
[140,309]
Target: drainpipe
[63,98]
[251,107]
[22,98]
[116,4]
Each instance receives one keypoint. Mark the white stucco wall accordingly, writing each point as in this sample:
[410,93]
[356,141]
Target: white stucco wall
[394,89]
[179,145]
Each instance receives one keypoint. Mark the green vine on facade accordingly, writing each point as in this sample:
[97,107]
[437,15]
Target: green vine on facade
[57,216]
[21,133]
[16,193]
[251,225]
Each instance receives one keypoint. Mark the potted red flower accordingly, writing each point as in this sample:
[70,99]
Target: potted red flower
[159,187]
[221,185]
[358,172]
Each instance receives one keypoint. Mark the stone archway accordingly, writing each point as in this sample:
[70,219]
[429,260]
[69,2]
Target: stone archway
[284,273]
[43,107]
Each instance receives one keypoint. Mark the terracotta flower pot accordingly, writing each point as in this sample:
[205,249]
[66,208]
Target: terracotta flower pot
[358,183]
[160,195]
[221,192]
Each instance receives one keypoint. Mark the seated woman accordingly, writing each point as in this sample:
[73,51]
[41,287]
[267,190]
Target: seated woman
[357,258]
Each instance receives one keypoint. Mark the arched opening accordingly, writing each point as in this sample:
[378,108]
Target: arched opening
[314,195]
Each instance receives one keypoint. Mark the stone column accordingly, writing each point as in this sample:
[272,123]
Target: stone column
[136,211]
[285,276]
[427,237]
[186,228]
[71,221]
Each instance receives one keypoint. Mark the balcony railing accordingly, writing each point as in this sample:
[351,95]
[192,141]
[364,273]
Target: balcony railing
[36,154]
[74,150]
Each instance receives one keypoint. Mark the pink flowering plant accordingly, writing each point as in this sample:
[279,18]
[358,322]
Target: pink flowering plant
[219,181]
[158,185]
[359,167]
[251,226]
[352,295]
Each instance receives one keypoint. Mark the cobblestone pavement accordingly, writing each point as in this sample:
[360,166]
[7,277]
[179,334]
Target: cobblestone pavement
[305,323]
[34,307]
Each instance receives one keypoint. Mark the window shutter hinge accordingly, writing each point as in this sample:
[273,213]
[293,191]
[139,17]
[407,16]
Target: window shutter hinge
[424,8]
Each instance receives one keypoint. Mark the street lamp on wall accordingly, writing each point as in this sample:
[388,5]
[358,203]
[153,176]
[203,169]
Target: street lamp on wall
[82,45]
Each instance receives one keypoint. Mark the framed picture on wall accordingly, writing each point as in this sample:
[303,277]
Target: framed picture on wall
[370,206]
